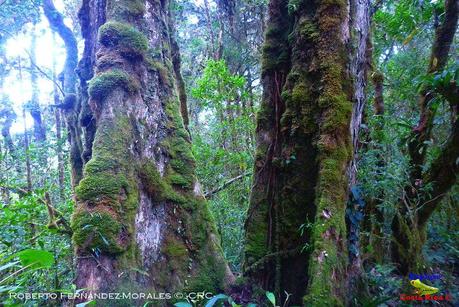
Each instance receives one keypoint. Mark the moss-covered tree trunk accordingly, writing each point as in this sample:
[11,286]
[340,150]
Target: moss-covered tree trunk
[295,230]
[141,222]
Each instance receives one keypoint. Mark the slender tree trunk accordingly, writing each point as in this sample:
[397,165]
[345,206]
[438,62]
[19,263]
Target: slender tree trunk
[27,154]
[212,50]
[39,131]
[141,221]
[373,211]
[360,23]
[26,139]
[71,105]
[8,116]
[57,116]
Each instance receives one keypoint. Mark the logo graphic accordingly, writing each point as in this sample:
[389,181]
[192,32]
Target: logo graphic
[423,292]
[423,289]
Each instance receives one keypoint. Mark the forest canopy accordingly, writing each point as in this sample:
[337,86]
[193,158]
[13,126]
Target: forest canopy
[229,153]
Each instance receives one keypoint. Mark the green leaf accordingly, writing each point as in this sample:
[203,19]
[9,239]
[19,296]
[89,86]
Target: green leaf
[271,297]
[89,303]
[183,304]
[37,259]
[214,299]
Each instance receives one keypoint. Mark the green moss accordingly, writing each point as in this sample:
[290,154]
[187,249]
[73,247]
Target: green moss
[340,115]
[210,276]
[99,164]
[180,180]
[97,230]
[257,230]
[164,73]
[308,30]
[157,186]
[107,196]
[103,84]
[96,186]
[125,10]
[181,173]
[175,249]
[256,247]
[276,48]
[128,40]
[200,231]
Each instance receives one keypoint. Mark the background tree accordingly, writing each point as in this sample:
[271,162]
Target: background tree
[303,150]
[428,184]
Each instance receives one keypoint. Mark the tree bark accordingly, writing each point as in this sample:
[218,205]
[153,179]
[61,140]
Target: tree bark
[177,63]
[304,147]
[141,221]
[360,25]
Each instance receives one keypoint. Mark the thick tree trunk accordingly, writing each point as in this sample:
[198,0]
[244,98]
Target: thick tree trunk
[141,221]
[416,204]
[304,147]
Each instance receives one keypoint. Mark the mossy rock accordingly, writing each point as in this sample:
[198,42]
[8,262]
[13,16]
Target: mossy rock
[103,84]
[128,40]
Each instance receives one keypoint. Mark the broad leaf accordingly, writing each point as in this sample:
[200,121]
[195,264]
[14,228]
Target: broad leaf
[36,258]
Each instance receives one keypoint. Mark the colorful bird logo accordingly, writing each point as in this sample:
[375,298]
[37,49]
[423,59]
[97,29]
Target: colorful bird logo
[423,289]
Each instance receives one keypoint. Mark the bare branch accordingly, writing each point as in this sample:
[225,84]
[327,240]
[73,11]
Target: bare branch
[211,193]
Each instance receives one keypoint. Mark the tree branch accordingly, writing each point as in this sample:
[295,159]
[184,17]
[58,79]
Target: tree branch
[211,193]
[444,36]
[56,22]
[442,174]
